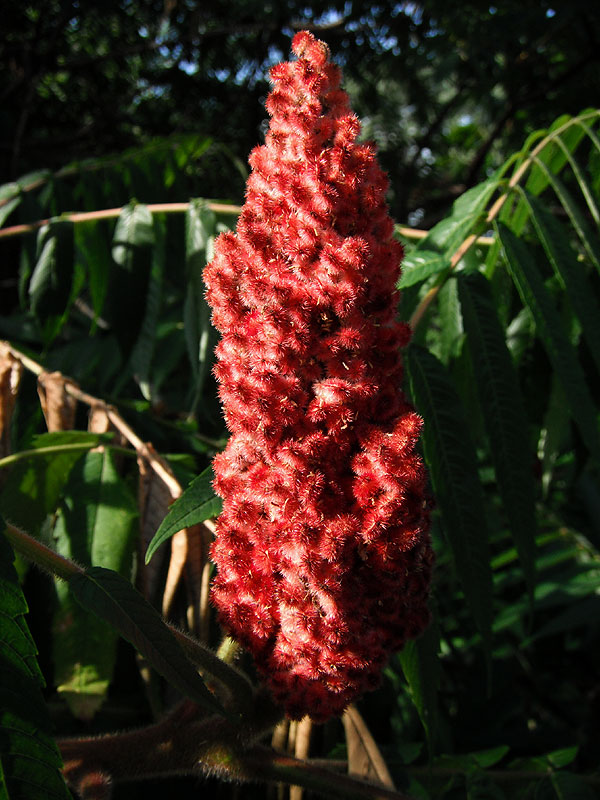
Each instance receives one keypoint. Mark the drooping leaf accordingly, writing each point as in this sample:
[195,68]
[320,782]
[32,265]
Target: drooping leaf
[587,234]
[581,177]
[115,600]
[553,155]
[452,463]
[96,526]
[197,504]
[200,337]
[555,240]
[51,283]
[92,250]
[141,357]
[133,242]
[29,758]
[503,412]
[551,332]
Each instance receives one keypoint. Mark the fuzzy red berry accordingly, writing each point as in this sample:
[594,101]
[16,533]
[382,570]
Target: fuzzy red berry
[322,548]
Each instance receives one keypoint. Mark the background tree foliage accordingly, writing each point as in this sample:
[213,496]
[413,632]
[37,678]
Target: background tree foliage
[482,120]
[445,91]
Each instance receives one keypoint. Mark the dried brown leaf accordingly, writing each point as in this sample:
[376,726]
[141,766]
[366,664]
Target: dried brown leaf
[57,404]
[187,559]
[154,499]
[98,421]
[204,610]
[301,750]
[364,757]
[11,370]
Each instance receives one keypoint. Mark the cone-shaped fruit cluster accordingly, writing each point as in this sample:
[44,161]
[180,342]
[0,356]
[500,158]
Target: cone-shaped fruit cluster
[322,548]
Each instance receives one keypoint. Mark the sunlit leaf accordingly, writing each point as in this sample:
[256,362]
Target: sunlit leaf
[197,504]
[419,265]
[96,526]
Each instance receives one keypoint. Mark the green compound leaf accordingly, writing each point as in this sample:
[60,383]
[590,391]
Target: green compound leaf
[548,323]
[452,463]
[29,758]
[504,414]
[115,600]
[97,524]
[197,504]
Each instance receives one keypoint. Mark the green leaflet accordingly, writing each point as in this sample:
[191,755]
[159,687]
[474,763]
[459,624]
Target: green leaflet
[34,485]
[467,212]
[10,194]
[452,464]
[551,332]
[421,667]
[419,265]
[504,414]
[196,504]
[29,759]
[450,338]
[96,526]
[112,598]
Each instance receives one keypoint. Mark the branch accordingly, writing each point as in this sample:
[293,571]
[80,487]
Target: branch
[113,213]
[169,208]
[185,744]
